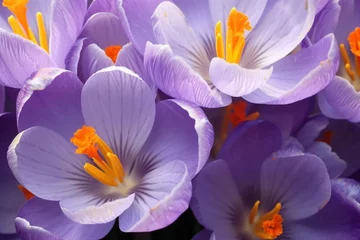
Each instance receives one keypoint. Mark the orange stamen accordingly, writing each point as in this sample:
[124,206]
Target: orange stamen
[109,170]
[326,137]
[237,23]
[28,195]
[354,41]
[112,52]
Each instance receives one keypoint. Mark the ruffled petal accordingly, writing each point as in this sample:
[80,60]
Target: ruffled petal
[162,196]
[19,59]
[43,217]
[348,188]
[300,75]
[174,76]
[121,107]
[283,181]
[51,99]
[182,132]
[275,37]
[340,100]
[221,211]
[67,18]
[234,80]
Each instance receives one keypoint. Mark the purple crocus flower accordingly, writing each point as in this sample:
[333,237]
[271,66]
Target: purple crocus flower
[340,99]
[251,193]
[212,50]
[114,151]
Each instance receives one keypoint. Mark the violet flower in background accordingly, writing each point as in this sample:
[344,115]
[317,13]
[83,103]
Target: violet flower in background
[148,153]
[194,64]
[249,192]
[340,99]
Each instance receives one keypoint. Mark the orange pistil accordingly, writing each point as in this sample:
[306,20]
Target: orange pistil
[354,43]
[19,23]
[237,23]
[326,137]
[108,168]
[112,52]
[273,227]
[28,195]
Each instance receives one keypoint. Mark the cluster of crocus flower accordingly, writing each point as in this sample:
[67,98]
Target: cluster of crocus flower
[126,113]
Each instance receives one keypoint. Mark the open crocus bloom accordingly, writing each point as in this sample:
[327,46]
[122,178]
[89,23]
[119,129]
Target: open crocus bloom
[259,195]
[341,98]
[211,50]
[113,151]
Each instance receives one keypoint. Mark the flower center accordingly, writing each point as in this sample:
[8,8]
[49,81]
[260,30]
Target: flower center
[267,226]
[112,52]
[235,36]
[108,168]
[19,23]
[27,194]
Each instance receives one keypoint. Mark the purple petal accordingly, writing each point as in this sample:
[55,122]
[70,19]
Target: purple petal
[311,130]
[4,15]
[169,22]
[273,38]
[202,235]
[348,20]
[73,57]
[325,21]
[174,76]
[35,6]
[347,187]
[242,153]
[105,29]
[161,197]
[19,59]
[45,217]
[51,99]
[339,219]
[136,17]
[92,59]
[98,6]
[182,132]
[300,75]
[335,165]
[340,100]
[234,80]
[283,181]
[13,199]
[222,211]
[67,20]
[2,98]
[220,10]
[129,57]
[121,107]
[291,147]
[320,4]
[59,172]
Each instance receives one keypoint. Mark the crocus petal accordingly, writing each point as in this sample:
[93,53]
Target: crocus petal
[220,10]
[339,219]
[46,216]
[26,231]
[325,21]
[335,165]
[234,80]
[105,29]
[283,181]
[174,76]
[182,132]
[340,100]
[2,98]
[67,19]
[51,99]
[168,23]
[98,6]
[202,235]
[320,4]
[73,57]
[121,107]
[348,19]
[93,59]
[129,57]
[162,196]
[274,37]
[19,59]
[300,75]
[136,17]
[219,210]
[35,6]
[242,153]
[4,15]
[311,130]
[59,171]
[13,199]
[347,187]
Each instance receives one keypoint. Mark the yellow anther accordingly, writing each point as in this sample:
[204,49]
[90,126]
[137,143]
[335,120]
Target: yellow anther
[42,32]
